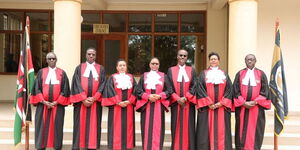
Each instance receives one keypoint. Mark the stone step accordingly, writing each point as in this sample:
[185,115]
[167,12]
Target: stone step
[8,145]
[289,139]
[7,133]
[284,139]
[289,127]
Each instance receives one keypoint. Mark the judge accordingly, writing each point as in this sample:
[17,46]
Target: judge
[250,99]
[87,85]
[153,92]
[50,94]
[214,104]
[182,102]
[119,97]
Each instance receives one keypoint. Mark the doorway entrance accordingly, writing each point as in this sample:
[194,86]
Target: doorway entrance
[109,48]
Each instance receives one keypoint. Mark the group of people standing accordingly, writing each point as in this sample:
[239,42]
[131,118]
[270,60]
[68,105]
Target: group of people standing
[212,95]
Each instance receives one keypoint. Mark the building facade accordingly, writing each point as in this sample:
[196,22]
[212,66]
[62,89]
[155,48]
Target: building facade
[140,29]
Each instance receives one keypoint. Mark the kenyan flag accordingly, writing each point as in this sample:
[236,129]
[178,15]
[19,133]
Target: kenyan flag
[25,81]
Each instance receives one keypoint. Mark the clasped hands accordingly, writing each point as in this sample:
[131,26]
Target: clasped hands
[215,106]
[49,104]
[154,97]
[89,101]
[249,104]
[124,103]
[181,101]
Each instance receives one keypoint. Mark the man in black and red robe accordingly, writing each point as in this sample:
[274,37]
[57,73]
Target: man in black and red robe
[182,103]
[153,100]
[50,94]
[87,86]
[250,99]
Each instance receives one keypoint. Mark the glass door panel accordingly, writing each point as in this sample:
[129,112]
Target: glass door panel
[112,54]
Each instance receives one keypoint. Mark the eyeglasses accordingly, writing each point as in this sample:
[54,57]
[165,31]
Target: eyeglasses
[51,58]
[154,63]
[181,55]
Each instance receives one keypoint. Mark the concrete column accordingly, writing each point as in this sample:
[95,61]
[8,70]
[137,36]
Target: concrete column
[242,33]
[67,34]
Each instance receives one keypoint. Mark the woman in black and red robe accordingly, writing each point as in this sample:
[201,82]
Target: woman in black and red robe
[50,94]
[119,98]
[153,94]
[214,103]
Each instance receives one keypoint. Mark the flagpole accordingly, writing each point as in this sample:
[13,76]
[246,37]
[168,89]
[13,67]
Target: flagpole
[27,85]
[275,136]
[27,136]
[275,142]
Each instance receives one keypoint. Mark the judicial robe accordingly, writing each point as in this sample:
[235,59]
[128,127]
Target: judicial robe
[214,125]
[250,123]
[49,122]
[182,117]
[121,121]
[87,120]
[153,114]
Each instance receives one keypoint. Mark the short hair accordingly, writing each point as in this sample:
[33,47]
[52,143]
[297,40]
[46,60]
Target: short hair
[49,54]
[119,60]
[250,55]
[213,54]
[92,48]
[182,50]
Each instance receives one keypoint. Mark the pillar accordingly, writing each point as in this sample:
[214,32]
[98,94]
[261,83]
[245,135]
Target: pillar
[242,33]
[67,34]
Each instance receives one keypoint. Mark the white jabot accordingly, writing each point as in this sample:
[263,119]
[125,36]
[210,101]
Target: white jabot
[88,69]
[215,76]
[152,80]
[182,74]
[51,76]
[249,77]
[123,81]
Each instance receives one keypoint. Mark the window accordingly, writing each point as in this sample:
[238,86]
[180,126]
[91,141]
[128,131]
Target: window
[88,19]
[146,34]
[140,23]
[192,22]
[11,33]
[166,22]
[195,46]
[38,21]
[10,45]
[165,48]
[11,20]
[139,53]
[116,22]
[39,49]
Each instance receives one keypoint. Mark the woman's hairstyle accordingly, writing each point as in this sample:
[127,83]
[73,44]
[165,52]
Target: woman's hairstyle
[153,58]
[119,60]
[212,54]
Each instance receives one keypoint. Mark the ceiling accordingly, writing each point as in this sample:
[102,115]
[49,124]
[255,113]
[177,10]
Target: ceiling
[103,4]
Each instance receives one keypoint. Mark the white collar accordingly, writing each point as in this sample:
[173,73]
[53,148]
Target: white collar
[152,80]
[51,77]
[123,81]
[215,76]
[182,74]
[249,77]
[91,68]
